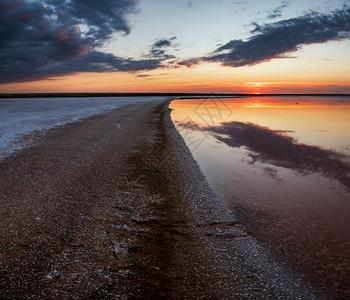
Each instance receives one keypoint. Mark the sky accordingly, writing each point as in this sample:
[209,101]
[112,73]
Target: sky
[209,46]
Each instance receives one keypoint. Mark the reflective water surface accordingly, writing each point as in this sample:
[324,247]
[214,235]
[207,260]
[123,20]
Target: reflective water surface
[283,165]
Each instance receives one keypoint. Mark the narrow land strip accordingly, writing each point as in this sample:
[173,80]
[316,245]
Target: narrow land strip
[115,206]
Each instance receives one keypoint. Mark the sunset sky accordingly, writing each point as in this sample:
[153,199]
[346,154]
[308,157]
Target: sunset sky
[175,46]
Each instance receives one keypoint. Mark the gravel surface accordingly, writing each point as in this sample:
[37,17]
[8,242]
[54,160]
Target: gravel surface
[115,207]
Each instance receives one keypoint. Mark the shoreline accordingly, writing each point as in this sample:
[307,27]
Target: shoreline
[101,210]
[157,94]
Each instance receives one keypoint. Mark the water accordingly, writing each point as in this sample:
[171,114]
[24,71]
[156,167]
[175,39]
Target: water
[23,117]
[283,165]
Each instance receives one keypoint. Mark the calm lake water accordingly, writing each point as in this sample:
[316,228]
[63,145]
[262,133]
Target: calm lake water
[283,165]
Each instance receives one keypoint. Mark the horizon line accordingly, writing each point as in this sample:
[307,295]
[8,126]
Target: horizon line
[151,94]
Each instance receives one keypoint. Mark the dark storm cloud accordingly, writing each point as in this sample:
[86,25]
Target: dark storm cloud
[274,40]
[44,39]
[106,16]
[103,18]
[94,61]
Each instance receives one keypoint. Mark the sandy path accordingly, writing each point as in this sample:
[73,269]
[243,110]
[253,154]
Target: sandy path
[115,207]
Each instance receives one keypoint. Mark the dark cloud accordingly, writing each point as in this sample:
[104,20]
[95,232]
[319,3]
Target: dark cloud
[161,54]
[106,17]
[275,40]
[191,62]
[143,75]
[157,49]
[106,62]
[163,43]
[277,12]
[44,39]
[94,61]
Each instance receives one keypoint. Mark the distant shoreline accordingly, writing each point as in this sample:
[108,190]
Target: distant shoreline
[202,95]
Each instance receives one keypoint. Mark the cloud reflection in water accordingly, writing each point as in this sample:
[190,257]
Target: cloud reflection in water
[276,148]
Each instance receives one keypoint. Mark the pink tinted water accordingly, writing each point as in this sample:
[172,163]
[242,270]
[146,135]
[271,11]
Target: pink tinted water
[304,217]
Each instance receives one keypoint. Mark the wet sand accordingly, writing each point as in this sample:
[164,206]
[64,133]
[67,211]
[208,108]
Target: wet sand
[116,207]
